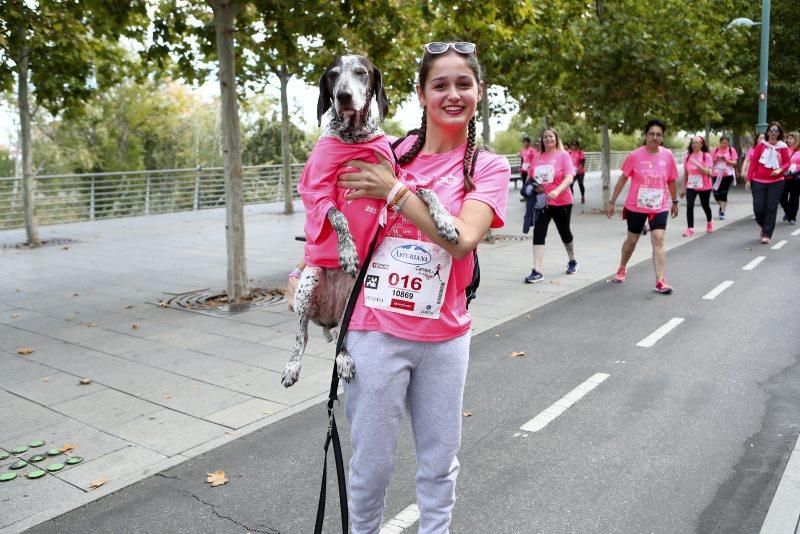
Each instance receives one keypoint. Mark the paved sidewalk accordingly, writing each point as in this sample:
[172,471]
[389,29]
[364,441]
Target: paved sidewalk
[167,385]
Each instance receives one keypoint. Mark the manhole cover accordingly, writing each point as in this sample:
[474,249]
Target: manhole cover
[57,241]
[214,302]
[510,237]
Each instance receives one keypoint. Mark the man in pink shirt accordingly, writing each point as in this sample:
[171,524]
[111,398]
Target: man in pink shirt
[651,197]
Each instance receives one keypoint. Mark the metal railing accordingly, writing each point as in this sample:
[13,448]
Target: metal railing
[62,198]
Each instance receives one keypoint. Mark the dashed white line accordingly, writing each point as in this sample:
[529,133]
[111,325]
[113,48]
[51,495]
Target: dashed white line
[662,331]
[796,232]
[714,293]
[779,244]
[401,521]
[561,405]
[753,264]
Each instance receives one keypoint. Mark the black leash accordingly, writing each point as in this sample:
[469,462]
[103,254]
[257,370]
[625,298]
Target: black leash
[333,433]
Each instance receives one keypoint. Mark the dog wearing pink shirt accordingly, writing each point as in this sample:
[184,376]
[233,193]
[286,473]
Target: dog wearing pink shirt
[332,250]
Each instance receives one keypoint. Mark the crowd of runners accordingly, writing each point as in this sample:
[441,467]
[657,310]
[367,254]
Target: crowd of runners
[770,170]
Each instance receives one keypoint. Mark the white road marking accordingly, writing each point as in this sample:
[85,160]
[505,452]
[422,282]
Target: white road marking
[796,232]
[714,293]
[782,514]
[753,264]
[779,244]
[401,521]
[662,331]
[561,405]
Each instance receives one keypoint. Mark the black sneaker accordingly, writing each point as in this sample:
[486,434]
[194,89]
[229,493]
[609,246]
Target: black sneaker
[572,267]
[534,277]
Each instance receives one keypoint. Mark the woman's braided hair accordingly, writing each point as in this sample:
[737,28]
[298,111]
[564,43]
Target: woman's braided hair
[469,152]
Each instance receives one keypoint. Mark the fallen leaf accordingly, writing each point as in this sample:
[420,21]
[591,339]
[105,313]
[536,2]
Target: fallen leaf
[70,318]
[162,304]
[517,354]
[91,325]
[217,478]
[76,294]
[45,379]
[24,351]
[67,447]
[97,483]
[167,397]
[466,414]
[15,316]
[129,306]
[64,248]
[135,326]
[85,381]
[195,386]
[267,412]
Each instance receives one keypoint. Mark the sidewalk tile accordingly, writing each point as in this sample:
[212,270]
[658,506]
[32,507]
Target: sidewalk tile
[89,442]
[15,369]
[105,408]
[195,398]
[29,496]
[245,413]
[117,464]
[20,416]
[167,432]
[53,388]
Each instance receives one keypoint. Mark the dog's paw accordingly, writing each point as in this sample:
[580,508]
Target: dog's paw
[447,229]
[348,259]
[290,374]
[345,366]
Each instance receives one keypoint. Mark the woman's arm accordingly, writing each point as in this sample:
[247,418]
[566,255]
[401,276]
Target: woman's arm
[377,181]
[565,183]
[617,190]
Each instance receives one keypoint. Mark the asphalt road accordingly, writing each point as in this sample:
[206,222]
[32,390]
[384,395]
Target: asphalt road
[689,435]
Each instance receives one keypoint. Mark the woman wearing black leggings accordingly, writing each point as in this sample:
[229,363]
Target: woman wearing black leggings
[725,158]
[697,182]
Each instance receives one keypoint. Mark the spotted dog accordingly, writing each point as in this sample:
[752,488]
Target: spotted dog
[346,91]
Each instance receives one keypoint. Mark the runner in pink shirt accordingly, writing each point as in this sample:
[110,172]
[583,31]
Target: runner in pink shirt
[526,155]
[552,170]
[791,184]
[725,159]
[578,158]
[410,330]
[770,160]
[651,197]
[697,167]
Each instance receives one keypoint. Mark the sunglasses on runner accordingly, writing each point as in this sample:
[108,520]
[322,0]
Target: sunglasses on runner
[774,130]
[461,47]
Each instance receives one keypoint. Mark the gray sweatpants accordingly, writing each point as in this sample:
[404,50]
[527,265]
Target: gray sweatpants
[426,380]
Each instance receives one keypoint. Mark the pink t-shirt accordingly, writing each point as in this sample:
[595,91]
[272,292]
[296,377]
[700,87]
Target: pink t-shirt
[319,192]
[703,159]
[760,173]
[649,173]
[794,161]
[577,156]
[721,166]
[549,169]
[526,156]
[444,174]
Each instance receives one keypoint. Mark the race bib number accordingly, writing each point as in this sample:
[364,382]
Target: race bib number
[545,174]
[695,181]
[650,198]
[525,166]
[720,166]
[409,277]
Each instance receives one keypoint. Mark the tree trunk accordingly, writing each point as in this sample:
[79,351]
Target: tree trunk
[288,207]
[224,17]
[736,142]
[605,148]
[28,180]
[487,132]
[708,130]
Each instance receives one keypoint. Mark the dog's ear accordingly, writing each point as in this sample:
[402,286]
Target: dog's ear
[325,97]
[380,93]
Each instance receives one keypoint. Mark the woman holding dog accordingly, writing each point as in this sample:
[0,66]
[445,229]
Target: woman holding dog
[412,356]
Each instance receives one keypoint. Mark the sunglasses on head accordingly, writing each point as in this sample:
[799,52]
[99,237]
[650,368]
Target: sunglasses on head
[461,47]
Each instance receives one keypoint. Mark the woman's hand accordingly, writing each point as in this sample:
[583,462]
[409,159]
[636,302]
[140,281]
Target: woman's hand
[610,210]
[747,186]
[674,210]
[371,180]
[683,192]
[776,172]
[552,195]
